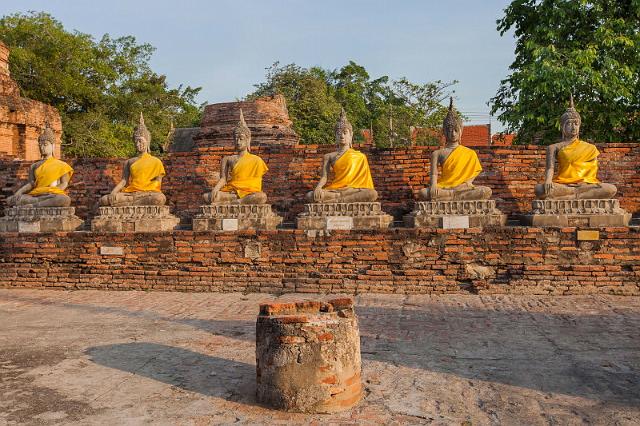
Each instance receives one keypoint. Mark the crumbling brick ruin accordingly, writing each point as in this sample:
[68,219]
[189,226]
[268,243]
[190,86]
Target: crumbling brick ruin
[22,119]
[308,356]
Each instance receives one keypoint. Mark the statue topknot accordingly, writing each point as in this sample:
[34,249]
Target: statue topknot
[141,130]
[241,128]
[452,118]
[571,113]
[47,135]
[343,122]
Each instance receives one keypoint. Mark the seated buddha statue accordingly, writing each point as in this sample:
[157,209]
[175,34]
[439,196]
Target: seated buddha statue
[459,164]
[141,176]
[577,171]
[351,181]
[48,178]
[240,174]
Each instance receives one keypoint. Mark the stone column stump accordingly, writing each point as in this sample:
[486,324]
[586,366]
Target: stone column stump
[308,356]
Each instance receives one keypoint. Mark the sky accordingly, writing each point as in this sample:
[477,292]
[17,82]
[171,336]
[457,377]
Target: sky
[224,46]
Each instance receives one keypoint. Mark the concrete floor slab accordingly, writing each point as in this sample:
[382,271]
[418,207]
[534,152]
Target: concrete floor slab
[91,357]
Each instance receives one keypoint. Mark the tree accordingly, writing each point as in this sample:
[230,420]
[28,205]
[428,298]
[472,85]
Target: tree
[314,98]
[590,48]
[310,101]
[99,87]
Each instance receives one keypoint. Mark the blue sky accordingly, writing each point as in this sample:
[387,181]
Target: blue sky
[224,46]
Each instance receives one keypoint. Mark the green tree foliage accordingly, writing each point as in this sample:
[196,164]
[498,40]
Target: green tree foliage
[315,95]
[588,48]
[310,101]
[99,87]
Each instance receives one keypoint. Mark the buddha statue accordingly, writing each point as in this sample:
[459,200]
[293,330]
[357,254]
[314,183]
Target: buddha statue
[240,174]
[577,165]
[460,166]
[141,176]
[352,181]
[48,178]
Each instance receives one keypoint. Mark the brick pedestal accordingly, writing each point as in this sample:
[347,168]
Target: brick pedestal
[134,219]
[591,213]
[308,356]
[455,214]
[40,219]
[345,216]
[236,217]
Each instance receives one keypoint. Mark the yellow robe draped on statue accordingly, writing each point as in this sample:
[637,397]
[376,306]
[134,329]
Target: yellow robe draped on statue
[460,166]
[246,176]
[577,162]
[50,171]
[142,173]
[351,170]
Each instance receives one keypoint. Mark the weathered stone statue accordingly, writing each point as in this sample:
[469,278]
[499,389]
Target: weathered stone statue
[452,200]
[136,204]
[348,202]
[577,165]
[237,202]
[460,166]
[352,181]
[574,196]
[240,174]
[141,176]
[48,178]
[41,205]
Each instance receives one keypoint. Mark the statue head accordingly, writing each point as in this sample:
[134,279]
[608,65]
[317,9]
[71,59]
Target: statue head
[141,136]
[47,141]
[343,130]
[570,121]
[452,125]
[242,134]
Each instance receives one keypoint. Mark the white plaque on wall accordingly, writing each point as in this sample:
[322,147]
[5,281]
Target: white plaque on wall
[111,251]
[29,226]
[455,222]
[229,224]
[339,223]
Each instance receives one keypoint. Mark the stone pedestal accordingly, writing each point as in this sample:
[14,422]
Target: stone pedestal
[236,217]
[345,216]
[308,356]
[455,214]
[40,219]
[134,219]
[591,213]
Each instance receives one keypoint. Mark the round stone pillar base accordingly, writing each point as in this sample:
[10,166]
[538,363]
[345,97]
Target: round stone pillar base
[308,356]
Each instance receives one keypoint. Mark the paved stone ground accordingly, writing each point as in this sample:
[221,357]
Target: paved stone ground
[90,357]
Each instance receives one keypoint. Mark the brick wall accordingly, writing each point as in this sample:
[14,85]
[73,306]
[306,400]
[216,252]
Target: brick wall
[398,175]
[501,260]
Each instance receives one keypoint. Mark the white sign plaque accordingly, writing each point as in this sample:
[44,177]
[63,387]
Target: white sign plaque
[455,222]
[29,226]
[229,224]
[111,251]
[339,223]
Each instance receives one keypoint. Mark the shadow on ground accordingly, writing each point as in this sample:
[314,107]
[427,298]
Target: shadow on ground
[192,371]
